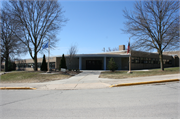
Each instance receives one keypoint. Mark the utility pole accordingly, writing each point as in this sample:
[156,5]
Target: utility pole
[129,57]
[48,57]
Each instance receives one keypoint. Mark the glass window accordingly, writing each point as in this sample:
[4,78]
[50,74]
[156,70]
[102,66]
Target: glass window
[156,62]
[142,60]
[137,60]
[167,61]
[133,60]
[30,65]
[24,65]
[164,61]
[52,65]
[170,62]
[153,61]
[146,60]
[149,60]
[39,65]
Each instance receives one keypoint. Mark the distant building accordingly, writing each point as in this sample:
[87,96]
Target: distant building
[99,61]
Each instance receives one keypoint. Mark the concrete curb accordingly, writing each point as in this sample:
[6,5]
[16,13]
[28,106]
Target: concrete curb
[17,88]
[141,83]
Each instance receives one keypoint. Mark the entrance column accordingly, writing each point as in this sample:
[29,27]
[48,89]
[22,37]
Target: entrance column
[120,64]
[104,63]
[80,62]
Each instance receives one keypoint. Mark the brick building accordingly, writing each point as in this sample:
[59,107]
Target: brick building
[99,61]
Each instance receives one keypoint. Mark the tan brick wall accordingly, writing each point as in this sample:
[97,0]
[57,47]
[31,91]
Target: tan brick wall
[125,63]
[121,47]
[176,57]
[27,69]
[74,63]
[58,60]
[148,55]
[39,60]
[121,62]
[118,62]
[172,53]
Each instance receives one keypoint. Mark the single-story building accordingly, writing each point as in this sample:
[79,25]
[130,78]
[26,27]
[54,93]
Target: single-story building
[99,61]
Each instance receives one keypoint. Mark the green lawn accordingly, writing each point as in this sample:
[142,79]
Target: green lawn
[30,77]
[124,74]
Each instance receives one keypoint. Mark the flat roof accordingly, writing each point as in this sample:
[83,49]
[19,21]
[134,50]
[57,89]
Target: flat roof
[102,55]
[122,53]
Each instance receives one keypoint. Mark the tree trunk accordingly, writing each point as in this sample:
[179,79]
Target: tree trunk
[161,60]
[6,62]
[2,59]
[35,62]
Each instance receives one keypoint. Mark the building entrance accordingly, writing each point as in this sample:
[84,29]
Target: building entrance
[93,64]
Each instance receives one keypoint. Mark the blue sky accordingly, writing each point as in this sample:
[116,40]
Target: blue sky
[92,25]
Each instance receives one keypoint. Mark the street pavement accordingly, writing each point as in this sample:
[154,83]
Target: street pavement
[89,79]
[153,101]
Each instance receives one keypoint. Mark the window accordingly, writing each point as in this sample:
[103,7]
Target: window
[149,60]
[164,61]
[142,60]
[133,60]
[24,65]
[52,65]
[39,65]
[157,60]
[146,60]
[137,60]
[30,65]
[153,61]
[21,65]
[170,62]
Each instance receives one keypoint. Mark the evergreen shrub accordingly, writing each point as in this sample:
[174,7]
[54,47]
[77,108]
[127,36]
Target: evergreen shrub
[62,63]
[44,64]
[112,65]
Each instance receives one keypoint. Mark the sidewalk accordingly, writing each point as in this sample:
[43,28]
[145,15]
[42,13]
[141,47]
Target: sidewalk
[89,80]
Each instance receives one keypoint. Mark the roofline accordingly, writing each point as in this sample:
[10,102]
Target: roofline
[110,52]
[102,55]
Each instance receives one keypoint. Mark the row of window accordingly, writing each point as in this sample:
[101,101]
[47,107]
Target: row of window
[31,65]
[143,60]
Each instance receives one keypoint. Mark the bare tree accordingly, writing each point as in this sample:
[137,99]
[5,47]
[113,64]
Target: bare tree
[154,25]
[10,44]
[103,49]
[112,49]
[72,52]
[38,21]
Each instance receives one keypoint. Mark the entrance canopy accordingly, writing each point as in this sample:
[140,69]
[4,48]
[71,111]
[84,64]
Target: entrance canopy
[98,61]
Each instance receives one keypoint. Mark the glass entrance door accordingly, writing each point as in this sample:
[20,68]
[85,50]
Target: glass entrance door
[93,64]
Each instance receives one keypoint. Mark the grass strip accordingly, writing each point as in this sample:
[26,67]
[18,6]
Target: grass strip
[124,74]
[30,77]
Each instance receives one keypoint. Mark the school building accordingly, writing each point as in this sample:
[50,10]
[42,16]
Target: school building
[99,61]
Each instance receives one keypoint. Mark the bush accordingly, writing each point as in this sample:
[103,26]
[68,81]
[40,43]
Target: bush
[112,65]
[44,64]
[63,63]
[11,66]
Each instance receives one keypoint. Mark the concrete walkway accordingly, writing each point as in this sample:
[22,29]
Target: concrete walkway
[88,80]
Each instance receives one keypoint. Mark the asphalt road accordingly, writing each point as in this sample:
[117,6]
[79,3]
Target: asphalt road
[153,101]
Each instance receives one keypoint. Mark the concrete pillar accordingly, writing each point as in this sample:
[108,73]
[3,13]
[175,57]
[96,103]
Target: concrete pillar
[80,63]
[120,64]
[104,63]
